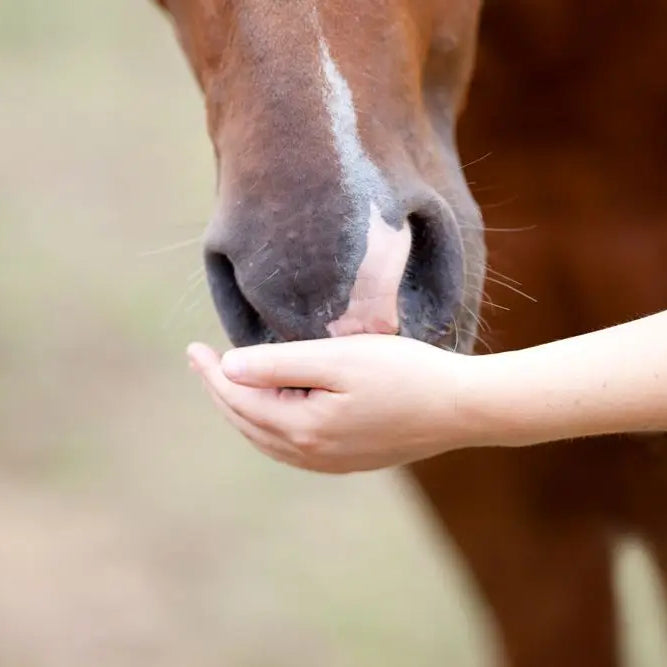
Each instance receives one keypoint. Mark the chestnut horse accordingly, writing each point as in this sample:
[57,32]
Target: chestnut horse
[343,208]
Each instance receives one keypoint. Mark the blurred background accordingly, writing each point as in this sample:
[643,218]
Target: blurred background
[135,527]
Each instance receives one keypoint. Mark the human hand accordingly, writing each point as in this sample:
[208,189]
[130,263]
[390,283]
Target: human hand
[373,401]
[381,401]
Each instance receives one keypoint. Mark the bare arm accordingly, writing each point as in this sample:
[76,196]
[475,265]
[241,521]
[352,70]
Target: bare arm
[609,381]
[379,401]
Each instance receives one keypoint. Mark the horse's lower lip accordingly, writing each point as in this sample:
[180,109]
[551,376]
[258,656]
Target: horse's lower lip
[442,338]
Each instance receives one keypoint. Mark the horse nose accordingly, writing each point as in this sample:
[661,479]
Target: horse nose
[373,303]
[310,285]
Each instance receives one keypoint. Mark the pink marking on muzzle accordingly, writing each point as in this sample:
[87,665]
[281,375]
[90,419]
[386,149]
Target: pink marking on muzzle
[373,306]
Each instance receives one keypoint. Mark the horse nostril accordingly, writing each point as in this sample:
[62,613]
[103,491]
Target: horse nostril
[422,249]
[432,281]
[241,321]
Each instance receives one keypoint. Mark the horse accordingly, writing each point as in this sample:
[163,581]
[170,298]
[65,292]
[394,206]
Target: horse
[341,141]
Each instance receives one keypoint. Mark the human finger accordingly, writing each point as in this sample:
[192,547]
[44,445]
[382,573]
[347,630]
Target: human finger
[306,364]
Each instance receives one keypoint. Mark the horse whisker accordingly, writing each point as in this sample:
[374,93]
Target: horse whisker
[478,339]
[479,320]
[512,288]
[503,202]
[484,188]
[498,229]
[175,308]
[256,252]
[494,305]
[502,275]
[510,229]
[195,274]
[436,330]
[194,304]
[170,248]
[479,159]
[266,280]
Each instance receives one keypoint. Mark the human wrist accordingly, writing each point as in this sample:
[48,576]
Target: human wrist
[470,406]
[509,399]
[489,407]
[545,393]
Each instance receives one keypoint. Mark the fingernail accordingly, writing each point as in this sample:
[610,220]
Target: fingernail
[233,365]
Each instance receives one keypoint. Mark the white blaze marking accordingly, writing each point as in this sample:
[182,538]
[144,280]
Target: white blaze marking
[362,178]
[373,305]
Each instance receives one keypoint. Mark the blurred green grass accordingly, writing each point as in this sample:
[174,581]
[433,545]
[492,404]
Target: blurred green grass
[137,529]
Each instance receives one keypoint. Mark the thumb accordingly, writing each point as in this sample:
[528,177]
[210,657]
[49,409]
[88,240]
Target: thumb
[313,364]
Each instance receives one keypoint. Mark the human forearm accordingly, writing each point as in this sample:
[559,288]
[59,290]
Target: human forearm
[610,381]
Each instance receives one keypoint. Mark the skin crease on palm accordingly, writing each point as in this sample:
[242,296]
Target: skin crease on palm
[382,401]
